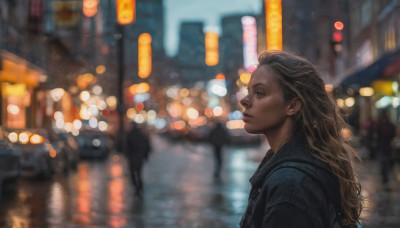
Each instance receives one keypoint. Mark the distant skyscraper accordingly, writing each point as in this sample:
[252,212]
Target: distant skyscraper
[191,46]
[231,46]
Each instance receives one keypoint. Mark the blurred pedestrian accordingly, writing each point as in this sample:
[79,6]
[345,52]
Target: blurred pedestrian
[385,132]
[218,137]
[306,179]
[138,148]
[367,132]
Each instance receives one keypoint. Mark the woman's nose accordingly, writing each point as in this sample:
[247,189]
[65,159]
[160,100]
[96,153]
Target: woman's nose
[245,102]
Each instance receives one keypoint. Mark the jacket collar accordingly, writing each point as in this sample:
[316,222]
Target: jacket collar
[295,149]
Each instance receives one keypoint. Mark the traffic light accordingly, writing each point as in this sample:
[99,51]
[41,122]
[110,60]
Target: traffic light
[337,37]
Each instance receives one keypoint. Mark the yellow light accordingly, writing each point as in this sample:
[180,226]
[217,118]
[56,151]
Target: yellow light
[245,78]
[366,91]
[53,153]
[111,102]
[36,139]
[100,69]
[184,92]
[329,88]
[220,76]
[13,137]
[340,102]
[89,7]
[126,11]
[142,87]
[218,111]
[211,46]
[192,113]
[131,112]
[349,101]
[273,20]
[24,137]
[84,95]
[144,55]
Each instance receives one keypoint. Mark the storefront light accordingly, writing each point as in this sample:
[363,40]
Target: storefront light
[349,102]
[103,126]
[93,122]
[366,91]
[395,102]
[77,124]
[97,90]
[13,109]
[218,111]
[84,95]
[383,102]
[340,102]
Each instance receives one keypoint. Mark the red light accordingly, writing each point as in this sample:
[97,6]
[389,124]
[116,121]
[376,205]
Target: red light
[337,36]
[338,25]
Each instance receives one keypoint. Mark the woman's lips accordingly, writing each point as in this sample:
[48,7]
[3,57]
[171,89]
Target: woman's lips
[246,117]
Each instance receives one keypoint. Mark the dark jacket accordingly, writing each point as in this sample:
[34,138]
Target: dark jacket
[292,189]
[218,135]
[138,148]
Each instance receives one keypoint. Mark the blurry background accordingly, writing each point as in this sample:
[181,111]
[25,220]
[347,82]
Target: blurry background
[75,73]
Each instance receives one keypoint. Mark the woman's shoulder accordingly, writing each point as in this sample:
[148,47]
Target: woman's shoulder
[296,184]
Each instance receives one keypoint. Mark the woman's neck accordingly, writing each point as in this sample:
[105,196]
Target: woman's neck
[278,137]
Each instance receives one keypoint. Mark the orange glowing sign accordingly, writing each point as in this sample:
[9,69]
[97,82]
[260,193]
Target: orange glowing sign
[220,76]
[89,7]
[273,18]
[144,55]
[126,11]
[212,54]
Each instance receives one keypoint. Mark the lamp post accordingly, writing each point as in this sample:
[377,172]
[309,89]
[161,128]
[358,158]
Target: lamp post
[125,16]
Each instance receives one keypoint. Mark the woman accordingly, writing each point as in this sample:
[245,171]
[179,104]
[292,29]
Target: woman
[306,179]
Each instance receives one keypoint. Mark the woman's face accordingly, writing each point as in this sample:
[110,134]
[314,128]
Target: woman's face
[265,108]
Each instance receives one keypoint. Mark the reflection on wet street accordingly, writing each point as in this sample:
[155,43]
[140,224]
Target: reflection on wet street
[179,191]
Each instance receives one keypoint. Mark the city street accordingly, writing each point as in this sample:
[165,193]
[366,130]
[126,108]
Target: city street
[179,191]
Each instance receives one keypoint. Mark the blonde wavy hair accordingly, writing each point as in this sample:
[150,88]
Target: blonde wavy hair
[320,121]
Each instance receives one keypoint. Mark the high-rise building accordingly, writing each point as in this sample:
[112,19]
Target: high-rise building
[191,54]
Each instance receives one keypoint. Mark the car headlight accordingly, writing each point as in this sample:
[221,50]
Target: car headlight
[36,139]
[24,137]
[13,137]
[96,142]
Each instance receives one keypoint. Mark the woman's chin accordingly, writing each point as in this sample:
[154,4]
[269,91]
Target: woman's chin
[250,130]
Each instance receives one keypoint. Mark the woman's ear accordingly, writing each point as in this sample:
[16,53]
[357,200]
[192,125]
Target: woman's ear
[294,106]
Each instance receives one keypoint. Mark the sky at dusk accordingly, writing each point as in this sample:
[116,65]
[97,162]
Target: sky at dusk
[207,11]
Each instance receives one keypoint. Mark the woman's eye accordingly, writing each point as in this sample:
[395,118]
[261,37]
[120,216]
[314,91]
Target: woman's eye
[259,94]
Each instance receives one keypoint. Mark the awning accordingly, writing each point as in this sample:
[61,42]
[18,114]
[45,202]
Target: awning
[384,67]
[15,69]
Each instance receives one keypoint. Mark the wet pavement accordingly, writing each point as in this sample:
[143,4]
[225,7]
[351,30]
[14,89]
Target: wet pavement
[179,191]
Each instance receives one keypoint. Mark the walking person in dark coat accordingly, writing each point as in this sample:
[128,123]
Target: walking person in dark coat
[138,149]
[385,132]
[306,179]
[218,137]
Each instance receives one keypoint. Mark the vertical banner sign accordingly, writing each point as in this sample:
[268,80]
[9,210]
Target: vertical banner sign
[89,7]
[273,19]
[126,11]
[249,42]
[35,10]
[65,13]
[144,55]
[211,45]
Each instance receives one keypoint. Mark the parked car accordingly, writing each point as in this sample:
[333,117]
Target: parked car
[93,144]
[37,155]
[70,148]
[10,167]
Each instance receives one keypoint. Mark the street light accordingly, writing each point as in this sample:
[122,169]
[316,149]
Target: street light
[125,15]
